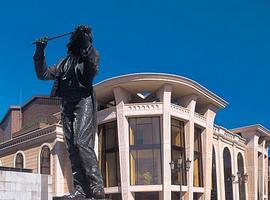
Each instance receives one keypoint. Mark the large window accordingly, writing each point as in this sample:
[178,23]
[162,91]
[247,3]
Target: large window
[241,182]
[116,196]
[144,141]
[227,174]
[178,149]
[108,154]
[146,196]
[198,169]
[175,195]
[214,176]
[45,160]
[19,161]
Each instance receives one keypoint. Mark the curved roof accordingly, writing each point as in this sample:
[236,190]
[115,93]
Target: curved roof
[151,82]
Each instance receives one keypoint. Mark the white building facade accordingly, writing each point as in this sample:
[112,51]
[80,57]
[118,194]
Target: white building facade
[155,119]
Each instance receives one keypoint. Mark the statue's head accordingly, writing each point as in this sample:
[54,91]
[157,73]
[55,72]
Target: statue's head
[81,38]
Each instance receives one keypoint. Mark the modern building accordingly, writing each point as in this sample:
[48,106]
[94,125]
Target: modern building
[148,124]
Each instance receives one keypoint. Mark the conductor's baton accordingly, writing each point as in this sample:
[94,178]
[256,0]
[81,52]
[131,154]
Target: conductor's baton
[55,37]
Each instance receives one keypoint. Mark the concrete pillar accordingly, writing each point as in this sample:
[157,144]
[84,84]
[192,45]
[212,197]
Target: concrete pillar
[266,168]
[219,170]
[252,167]
[59,165]
[221,189]
[121,97]
[266,175]
[234,172]
[164,94]
[190,103]
[207,138]
[261,171]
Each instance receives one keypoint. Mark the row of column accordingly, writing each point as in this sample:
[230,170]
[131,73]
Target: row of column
[164,94]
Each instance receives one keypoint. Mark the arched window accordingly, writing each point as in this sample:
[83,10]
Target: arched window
[45,160]
[227,174]
[19,161]
[241,172]
[214,176]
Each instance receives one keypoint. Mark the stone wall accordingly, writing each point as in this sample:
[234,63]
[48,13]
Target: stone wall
[25,186]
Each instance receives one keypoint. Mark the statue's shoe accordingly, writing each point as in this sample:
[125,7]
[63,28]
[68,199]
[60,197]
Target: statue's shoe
[77,195]
[99,194]
[96,199]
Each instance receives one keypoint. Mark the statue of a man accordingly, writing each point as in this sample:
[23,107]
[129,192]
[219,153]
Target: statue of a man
[73,77]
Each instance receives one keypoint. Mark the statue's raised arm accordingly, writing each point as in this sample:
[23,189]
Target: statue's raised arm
[42,70]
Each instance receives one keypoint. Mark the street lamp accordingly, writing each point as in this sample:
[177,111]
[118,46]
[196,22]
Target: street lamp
[245,177]
[179,166]
[241,177]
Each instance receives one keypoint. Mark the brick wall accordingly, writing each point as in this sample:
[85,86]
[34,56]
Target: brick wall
[40,110]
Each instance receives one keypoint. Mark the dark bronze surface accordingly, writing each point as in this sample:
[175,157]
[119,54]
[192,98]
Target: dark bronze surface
[73,78]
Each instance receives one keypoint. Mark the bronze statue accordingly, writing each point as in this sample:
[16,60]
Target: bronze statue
[73,77]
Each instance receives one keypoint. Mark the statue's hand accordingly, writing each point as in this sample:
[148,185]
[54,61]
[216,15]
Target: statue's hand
[41,43]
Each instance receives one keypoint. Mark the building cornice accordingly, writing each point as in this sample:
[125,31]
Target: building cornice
[257,128]
[162,77]
[35,137]
[228,136]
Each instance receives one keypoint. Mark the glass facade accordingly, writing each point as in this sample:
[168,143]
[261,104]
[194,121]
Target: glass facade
[19,161]
[175,195]
[196,196]
[178,150]
[109,154]
[145,155]
[45,160]
[197,164]
[117,196]
[146,196]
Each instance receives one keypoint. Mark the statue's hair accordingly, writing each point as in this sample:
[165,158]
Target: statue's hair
[75,38]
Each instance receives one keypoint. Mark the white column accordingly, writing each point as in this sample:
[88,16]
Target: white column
[266,168]
[190,103]
[234,172]
[59,155]
[164,94]
[207,150]
[221,185]
[122,97]
[261,170]
[252,167]
[218,169]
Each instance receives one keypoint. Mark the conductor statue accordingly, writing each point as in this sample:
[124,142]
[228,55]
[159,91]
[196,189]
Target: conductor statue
[73,78]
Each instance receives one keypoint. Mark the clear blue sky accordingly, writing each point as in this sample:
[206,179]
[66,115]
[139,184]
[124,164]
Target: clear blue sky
[223,45]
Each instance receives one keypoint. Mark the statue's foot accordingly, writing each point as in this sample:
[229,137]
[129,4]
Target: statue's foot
[99,194]
[77,195]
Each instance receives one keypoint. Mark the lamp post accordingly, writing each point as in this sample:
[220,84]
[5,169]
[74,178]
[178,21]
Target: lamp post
[241,177]
[179,166]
